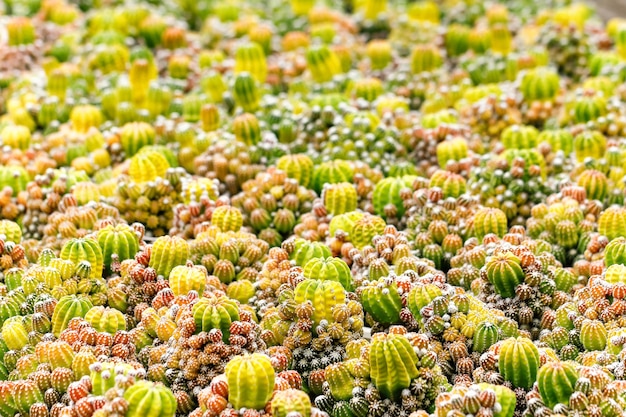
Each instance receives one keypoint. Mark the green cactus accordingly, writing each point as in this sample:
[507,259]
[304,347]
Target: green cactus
[66,309]
[332,172]
[340,381]
[505,273]
[329,269]
[136,135]
[105,319]
[593,335]
[340,198]
[84,249]
[519,137]
[504,396]
[247,95]
[425,58]
[518,362]
[298,166]
[595,184]
[149,399]
[393,364]
[324,295]
[556,381]
[420,296]
[168,252]
[322,63]
[185,278]
[11,231]
[485,335]
[387,195]
[118,240]
[291,401]
[540,84]
[382,301]
[250,381]
[306,251]
[612,222]
[14,333]
[365,229]
[215,313]
[227,218]
[247,129]
[489,220]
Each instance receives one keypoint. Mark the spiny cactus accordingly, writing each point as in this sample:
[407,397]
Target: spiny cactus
[382,301]
[215,313]
[518,361]
[120,240]
[168,252]
[105,319]
[505,273]
[393,364]
[556,382]
[150,400]
[331,269]
[323,295]
[250,381]
[67,308]
[84,249]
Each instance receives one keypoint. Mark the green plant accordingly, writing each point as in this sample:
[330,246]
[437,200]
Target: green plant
[518,361]
[250,381]
[393,364]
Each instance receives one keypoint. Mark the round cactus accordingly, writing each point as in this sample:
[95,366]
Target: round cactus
[393,364]
[340,198]
[246,94]
[588,107]
[559,140]
[10,231]
[185,278]
[250,58]
[593,335]
[250,381]
[147,166]
[457,39]
[148,399]
[595,184]
[332,172]
[168,252]
[101,372]
[84,117]
[540,84]
[13,177]
[324,296]
[291,401]
[556,381]
[340,381]
[322,63]
[612,222]
[615,252]
[241,290]
[489,220]
[365,229]
[227,218]
[16,137]
[485,335]
[329,269]
[120,240]
[246,129]
[519,137]
[105,319]
[387,198]
[505,273]
[518,362]
[452,185]
[420,296]
[14,333]
[298,167]
[382,301]
[305,251]
[25,394]
[589,144]
[215,313]
[451,150]
[69,307]
[505,397]
[136,135]
[425,58]
[84,249]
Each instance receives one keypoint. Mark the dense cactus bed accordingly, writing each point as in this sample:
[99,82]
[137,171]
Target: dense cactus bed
[357,208]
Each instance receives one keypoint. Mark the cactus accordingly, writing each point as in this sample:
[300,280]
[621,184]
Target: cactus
[298,167]
[185,278]
[393,364]
[504,397]
[489,220]
[615,252]
[291,401]
[332,172]
[10,231]
[241,290]
[135,136]
[420,296]
[13,177]
[67,308]
[559,140]
[518,362]
[84,117]
[505,273]
[305,251]
[556,382]
[250,58]
[147,166]
[340,198]
[148,399]
[102,375]
[84,249]
[227,218]
[21,31]
[451,150]
[322,63]
[485,335]
[540,84]
[324,296]
[215,313]
[588,107]
[246,129]
[329,269]
[105,319]
[519,137]
[168,252]
[365,229]
[16,137]
[456,39]
[120,240]
[14,333]
[387,197]
[247,95]
[593,335]
[452,185]
[595,184]
[250,381]
[382,301]
[425,58]
[612,222]
[589,144]
[25,394]
[340,381]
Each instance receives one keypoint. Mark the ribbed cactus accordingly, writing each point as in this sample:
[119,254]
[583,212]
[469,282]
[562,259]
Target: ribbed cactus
[227,218]
[595,184]
[84,249]
[324,296]
[14,333]
[215,312]
[519,137]
[322,63]
[559,140]
[305,251]
[329,269]
[241,290]
[16,137]
[485,335]
[340,198]
[588,107]
[556,382]
[540,84]
[105,319]
[246,129]
[344,222]
[505,273]
[615,252]
[340,381]
[425,58]
[168,252]
[505,397]
[86,116]
[250,381]
[120,240]
[451,150]
[298,167]
[149,399]
[147,166]
[593,335]
[456,39]
[10,231]
[136,135]
[612,222]
[291,401]
[589,144]
[393,364]
[518,362]
[382,301]
[420,296]
[452,185]
[67,308]
[379,53]
[250,58]
[332,172]
[25,394]
[387,198]
[246,94]
[365,229]
[14,177]
[489,220]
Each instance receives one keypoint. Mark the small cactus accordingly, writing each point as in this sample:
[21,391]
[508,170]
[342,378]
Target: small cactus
[84,249]
[393,364]
[556,381]
[518,362]
[382,301]
[105,319]
[329,269]
[291,401]
[67,308]
[215,313]
[324,295]
[168,252]
[149,399]
[505,273]
[250,381]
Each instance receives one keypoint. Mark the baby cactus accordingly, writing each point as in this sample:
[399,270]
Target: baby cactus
[120,240]
[420,296]
[67,308]
[340,198]
[330,269]
[135,136]
[148,165]
[518,362]
[556,382]
[149,399]
[246,129]
[10,231]
[323,63]
[16,137]
[612,222]
[84,249]
[298,167]
[250,381]
[324,295]
[387,197]
[227,218]
[332,172]
[540,84]
[485,335]
[105,319]
[593,335]
[185,278]
[393,364]
[305,251]
[382,301]
[251,58]
[365,229]
[425,58]
[505,273]
[215,313]
[489,220]
[519,137]
[589,144]
[615,252]
[168,252]
[291,401]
